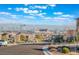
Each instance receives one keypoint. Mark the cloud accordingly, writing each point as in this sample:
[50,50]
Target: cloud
[67,15]
[26,10]
[44,13]
[31,11]
[21,9]
[9,8]
[9,21]
[26,4]
[61,19]
[41,15]
[58,13]
[8,14]
[13,16]
[41,7]
[5,13]
[52,5]
[48,18]
[57,19]
[29,17]
[18,9]
[61,14]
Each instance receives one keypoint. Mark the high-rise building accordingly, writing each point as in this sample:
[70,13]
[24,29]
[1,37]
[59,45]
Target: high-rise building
[77,24]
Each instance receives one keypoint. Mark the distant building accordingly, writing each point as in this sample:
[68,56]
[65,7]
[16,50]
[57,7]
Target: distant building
[43,30]
[71,32]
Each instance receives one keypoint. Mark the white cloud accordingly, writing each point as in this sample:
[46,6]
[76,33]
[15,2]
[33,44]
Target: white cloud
[8,14]
[44,13]
[40,7]
[13,16]
[52,5]
[29,17]
[31,11]
[59,18]
[26,4]
[68,15]
[21,9]
[9,8]
[56,19]
[63,19]
[48,18]
[9,21]
[26,10]
[32,14]
[5,13]
[58,13]
[18,9]
[41,15]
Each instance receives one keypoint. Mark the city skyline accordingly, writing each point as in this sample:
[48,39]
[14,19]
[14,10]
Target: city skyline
[39,29]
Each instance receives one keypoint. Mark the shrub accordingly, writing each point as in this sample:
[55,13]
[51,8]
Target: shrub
[72,41]
[65,50]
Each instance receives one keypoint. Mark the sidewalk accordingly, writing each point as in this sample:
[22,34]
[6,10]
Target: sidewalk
[12,44]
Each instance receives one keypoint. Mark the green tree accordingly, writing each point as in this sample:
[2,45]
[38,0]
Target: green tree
[65,50]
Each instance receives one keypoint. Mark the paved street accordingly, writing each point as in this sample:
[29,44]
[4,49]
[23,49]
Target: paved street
[22,50]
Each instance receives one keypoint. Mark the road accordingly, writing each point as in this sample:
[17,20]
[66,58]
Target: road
[26,49]
[65,44]
[22,50]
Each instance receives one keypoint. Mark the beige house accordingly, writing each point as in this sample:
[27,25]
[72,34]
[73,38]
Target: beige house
[4,36]
[24,37]
[41,35]
[38,36]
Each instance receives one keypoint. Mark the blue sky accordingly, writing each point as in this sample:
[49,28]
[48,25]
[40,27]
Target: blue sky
[39,14]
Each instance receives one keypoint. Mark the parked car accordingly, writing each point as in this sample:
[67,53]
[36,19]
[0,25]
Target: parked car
[3,43]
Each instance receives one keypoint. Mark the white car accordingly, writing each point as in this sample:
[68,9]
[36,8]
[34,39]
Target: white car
[3,43]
